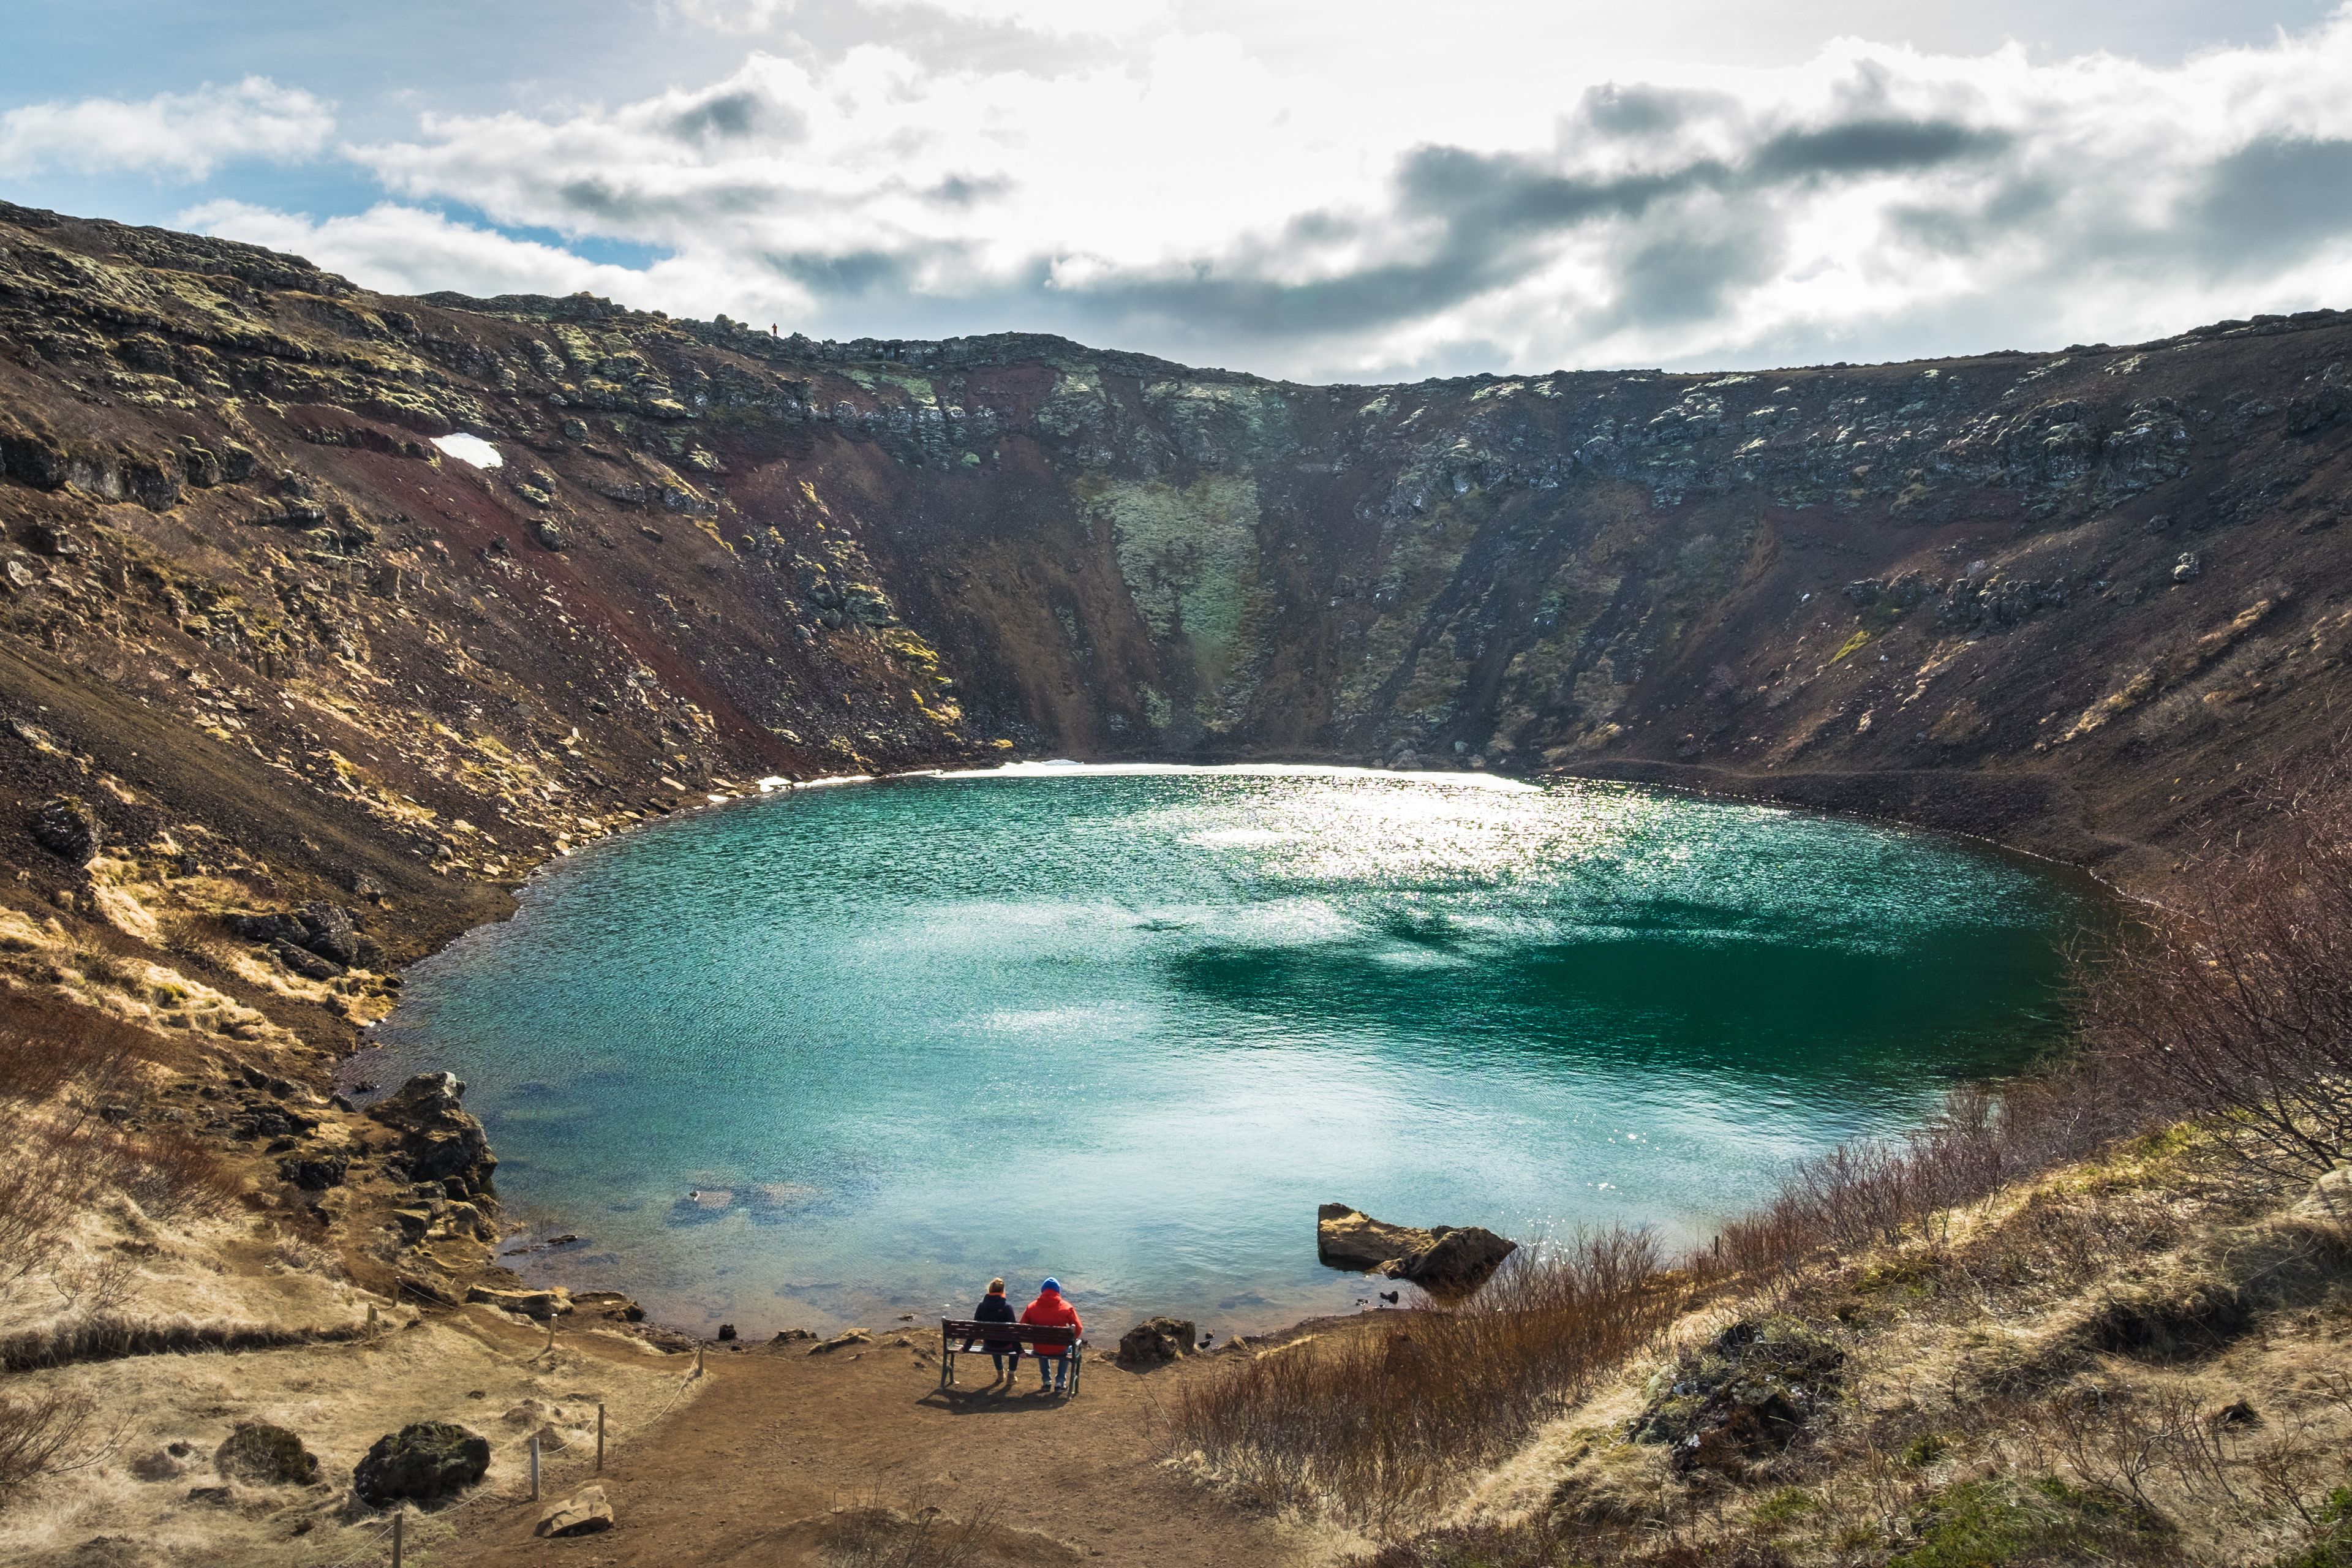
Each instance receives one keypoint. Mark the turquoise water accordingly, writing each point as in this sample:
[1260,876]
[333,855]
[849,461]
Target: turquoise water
[1130,1028]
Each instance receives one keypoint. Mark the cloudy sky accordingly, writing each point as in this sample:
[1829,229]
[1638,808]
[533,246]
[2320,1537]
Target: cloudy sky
[1335,190]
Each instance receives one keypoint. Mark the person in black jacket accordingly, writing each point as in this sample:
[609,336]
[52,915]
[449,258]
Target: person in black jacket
[994,1308]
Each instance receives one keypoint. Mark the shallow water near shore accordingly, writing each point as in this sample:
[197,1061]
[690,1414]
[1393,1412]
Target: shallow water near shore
[844,1054]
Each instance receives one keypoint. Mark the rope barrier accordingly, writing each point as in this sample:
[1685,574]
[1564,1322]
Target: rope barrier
[388,1533]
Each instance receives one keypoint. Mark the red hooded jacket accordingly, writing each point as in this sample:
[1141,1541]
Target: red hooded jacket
[1050,1310]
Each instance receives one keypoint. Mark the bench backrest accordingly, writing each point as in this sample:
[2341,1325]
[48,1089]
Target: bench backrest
[1032,1333]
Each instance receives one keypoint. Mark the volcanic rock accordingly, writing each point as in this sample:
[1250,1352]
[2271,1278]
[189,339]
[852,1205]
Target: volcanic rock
[1156,1342]
[65,827]
[419,1463]
[315,1174]
[1349,1238]
[1445,1260]
[439,1138]
[1455,1262]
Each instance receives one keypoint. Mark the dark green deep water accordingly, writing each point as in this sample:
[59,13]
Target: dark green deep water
[1130,1028]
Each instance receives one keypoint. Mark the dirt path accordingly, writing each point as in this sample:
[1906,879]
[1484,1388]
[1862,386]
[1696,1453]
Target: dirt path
[737,1478]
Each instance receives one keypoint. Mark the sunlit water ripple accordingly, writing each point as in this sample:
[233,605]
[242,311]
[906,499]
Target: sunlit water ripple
[1131,1027]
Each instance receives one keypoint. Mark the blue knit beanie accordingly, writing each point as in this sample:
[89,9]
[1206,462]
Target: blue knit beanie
[1052,1285]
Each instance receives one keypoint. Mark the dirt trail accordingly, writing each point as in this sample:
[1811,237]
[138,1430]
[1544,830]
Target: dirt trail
[780,1435]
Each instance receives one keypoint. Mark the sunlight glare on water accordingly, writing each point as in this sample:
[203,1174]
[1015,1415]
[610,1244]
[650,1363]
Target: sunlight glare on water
[1131,1025]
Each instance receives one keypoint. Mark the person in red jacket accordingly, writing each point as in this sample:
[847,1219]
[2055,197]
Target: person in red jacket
[1050,1310]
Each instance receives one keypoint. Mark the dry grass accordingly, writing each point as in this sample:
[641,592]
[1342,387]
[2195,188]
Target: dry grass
[1376,1416]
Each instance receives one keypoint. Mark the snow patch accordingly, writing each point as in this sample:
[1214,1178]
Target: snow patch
[470,450]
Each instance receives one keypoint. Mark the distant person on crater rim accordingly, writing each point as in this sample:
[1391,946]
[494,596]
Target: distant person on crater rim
[994,1308]
[1050,1310]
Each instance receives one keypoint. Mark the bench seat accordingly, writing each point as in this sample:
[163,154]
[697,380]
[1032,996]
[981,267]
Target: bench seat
[967,1336]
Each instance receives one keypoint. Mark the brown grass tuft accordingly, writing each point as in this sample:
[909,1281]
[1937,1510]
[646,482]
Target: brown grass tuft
[1375,1415]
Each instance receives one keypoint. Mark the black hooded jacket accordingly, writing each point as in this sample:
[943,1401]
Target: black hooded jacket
[995,1308]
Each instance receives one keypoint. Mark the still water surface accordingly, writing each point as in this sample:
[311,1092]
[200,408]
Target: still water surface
[1130,1028]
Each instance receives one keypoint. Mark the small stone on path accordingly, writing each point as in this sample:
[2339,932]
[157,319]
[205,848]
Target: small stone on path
[584,1512]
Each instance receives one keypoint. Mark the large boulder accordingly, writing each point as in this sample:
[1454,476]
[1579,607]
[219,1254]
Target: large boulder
[1455,1262]
[272,1456]
[439,1138]
[65,827]
[1349,1238]
[1444,1260]
[1158,1341]
[417,1464]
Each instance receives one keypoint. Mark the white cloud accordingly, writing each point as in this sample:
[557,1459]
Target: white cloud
[1046,17]
[408,250]
[1178,194]
[186,134]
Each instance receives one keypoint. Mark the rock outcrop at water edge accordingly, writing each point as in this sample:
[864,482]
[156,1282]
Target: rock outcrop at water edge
[1156,1342]
[439,1139]
[1445,1260]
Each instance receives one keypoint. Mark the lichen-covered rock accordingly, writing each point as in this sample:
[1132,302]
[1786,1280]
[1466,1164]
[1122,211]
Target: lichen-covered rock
[584,1512]
[1745,1398]
[267,1455]
[1158,1341]
[419,1463]
[439,1139]
[2330,1197]
[540,1304]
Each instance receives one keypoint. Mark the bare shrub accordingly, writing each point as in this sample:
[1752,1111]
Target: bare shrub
[34,1434]
[173,1176]
[1875,1192]
[62,1066]
[2238,1005]
[1374,1414]
[2146,1446]
[47,1046]
[49,1177]
[869,1536]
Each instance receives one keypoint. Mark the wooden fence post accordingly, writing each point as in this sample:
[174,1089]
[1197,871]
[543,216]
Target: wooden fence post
[396,1520]
[599,1439]
[534,1467]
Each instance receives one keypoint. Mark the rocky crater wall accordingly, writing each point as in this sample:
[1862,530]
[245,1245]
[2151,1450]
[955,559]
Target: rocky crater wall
[2074,599]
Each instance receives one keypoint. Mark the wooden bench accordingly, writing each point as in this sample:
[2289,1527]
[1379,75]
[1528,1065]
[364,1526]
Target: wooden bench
[966,1336]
